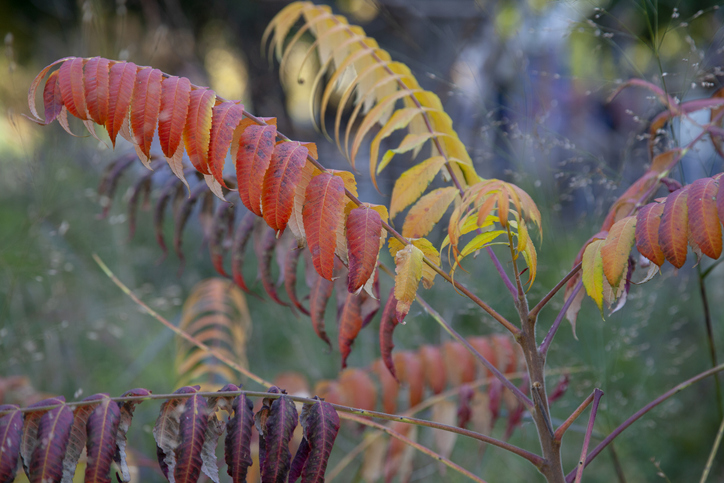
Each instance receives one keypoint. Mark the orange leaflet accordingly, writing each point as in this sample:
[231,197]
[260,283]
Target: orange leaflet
[198,127]
[145,105]
[387,327]
[70,76]
[122,77]
[411,374]
[358,388]
[433,367]
[283,175]
[616,249]
[256,146]
[647,232]
[175,92]
[673,233]
[390,387]
[350,323]
[704,224]
[364,229]
[96,81]
[225,117]
[322,212]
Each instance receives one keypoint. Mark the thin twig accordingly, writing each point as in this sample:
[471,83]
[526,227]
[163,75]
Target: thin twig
[597,393]
[543,349]
[534,311]
[501,271]
[712,453]
[633,418]
[710,339]
[558,436]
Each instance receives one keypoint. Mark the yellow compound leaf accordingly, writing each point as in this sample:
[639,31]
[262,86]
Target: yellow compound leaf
[593,272]
[408,266]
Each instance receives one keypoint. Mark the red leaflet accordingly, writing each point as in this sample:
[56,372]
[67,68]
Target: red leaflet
[145,106]
[241,238]
[198,127]
[647,232]
[350,323]
[256,146]
[673,234]
[124,424]
[433,367]
[283,174]
[278,431]
[364,229]
[704,224]
[52,98]
[96,82]
[102,428]
[237,447]
[465,412]
[322,212]
[33,89]
[390,387]
[11,430]
[387,327]
[46,463]
[70,77]
[321,425]
[319,294]
[192,431]
[265,252]
[222,225]
[290,277]
[122,78]
[225,117]
[175,93]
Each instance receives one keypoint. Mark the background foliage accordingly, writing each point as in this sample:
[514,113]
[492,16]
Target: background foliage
[525,83]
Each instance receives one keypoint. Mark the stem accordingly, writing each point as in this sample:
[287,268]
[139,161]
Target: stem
[567,423]
[712,454]
[519,286]
[554,328]
[633,418]
[710,339]
[501,271]
[597,393]
[544,301]
[178,331]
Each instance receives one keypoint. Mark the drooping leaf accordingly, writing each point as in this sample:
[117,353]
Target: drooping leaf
[413,182]
[170,189]
[319,294]
[350,323]
[237,447]
[357,388]
[167,432]
[300,460]
[411,374]
[673,230]
[265,252]
[197,130]
[241,237]
[427,212]
[11,430]
[122,78]
[33,89]
[593,272]
[321,425]
[322,212]
[126,408]
[389,387]
[46,462]
[279,428]
[31,422]
[221,227]
[284,173]
[101,444]
[648,220]
[182,217]
[460,365]
[408,267]
[256,146]
[290,278]
[78,437]
[52,98]
[214,429]
[192,431]
[109,181]
[364,230]
[387,327]
[225,117]
[704,224]
[616,249]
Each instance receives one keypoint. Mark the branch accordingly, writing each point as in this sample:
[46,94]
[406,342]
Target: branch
[632,419]
[501,271]
[543,349]
[712,454]
[558,436]
[544,301]
[597,393]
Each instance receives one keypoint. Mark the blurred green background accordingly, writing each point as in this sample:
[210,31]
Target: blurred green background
[525,83]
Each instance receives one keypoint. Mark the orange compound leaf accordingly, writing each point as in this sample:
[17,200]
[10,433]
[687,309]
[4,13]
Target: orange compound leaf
[673,230]
[485,349]
[388,386]
[96,82]
[459,363]
[225,118]
[387,327]
[122,78]
[350,323]
[145,106]
[322,213]
[704,224]
[70,77]
[358,389]
[408,267]
[319,294]
[52,98]
[364,230]
[647,232]
[284,173]
[433,366]
[175,93]
[256,146]
[197,130]
[617,248]
[411,374]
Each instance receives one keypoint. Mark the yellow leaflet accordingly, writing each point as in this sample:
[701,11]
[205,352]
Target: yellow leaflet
[408,267]
[531,259]
[413,182]
[428,274]
[428,211]
[480,241]
[410,142]
[593,272]
[399,120]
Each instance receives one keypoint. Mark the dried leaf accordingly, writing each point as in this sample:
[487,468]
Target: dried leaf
[11,431]
[167,432]
[126,408]
[101,444]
